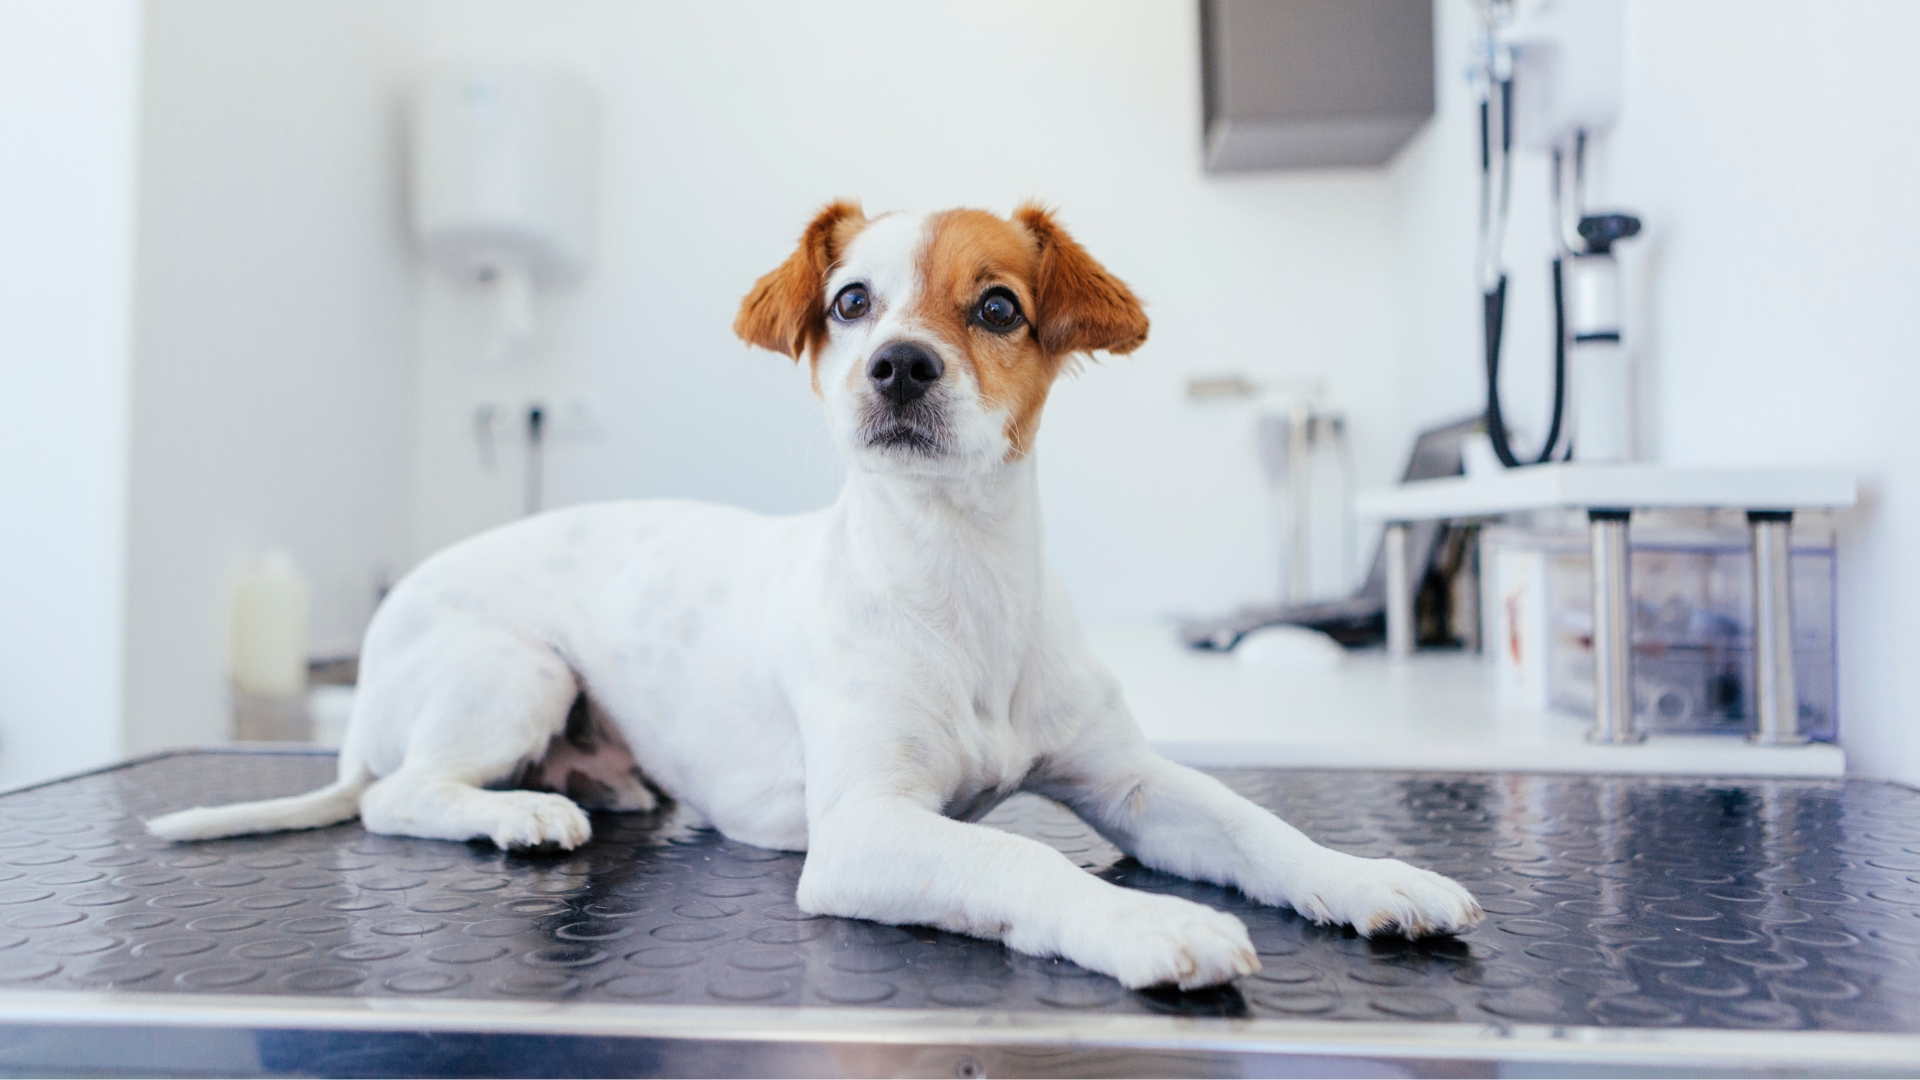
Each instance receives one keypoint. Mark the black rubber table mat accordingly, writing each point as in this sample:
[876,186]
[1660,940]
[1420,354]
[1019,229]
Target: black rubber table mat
[1631,902]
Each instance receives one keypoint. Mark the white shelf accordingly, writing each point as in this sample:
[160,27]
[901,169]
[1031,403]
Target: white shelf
[1433,711]
[1580,487]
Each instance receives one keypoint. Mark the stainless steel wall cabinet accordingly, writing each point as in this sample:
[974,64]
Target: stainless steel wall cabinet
[1312,84]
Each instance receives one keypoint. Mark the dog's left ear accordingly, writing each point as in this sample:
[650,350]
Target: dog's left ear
[1081,306]
[786,312]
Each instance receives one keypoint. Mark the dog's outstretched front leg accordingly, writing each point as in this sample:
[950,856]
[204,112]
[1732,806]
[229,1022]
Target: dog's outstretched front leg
[1185,822]
[890,857]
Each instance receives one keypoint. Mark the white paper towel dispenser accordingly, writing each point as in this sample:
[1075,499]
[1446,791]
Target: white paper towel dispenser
[503,180]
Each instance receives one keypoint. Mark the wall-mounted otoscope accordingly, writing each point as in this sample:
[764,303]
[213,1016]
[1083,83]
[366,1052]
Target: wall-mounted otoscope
[1547,75]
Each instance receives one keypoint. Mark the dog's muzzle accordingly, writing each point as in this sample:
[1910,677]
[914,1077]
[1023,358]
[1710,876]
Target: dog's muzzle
[905,410]
[916,427]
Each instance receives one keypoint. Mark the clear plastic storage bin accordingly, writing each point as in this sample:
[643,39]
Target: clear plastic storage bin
[1692,627]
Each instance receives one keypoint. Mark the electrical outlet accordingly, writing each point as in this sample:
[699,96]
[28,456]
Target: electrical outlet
[575,420]
[486,419]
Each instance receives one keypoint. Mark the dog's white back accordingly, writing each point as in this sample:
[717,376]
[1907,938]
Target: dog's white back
[858,682]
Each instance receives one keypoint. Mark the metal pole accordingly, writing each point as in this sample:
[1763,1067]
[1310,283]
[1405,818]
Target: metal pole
[1776,699]
[536,458]
[1399,593]
[1612,630]
[1300,491]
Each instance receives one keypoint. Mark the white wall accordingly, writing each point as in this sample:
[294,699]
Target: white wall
[1771,150]
[68,112]
[273,384]
[728,123]
[300,381]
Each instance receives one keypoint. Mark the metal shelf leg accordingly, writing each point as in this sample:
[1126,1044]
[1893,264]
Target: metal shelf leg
[1612,630]
[1399,594]
[1776,698]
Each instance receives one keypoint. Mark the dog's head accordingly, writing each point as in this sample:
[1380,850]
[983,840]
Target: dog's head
[934,338]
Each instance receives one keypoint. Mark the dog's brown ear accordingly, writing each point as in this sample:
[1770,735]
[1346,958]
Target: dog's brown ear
[785,312]
[1081,306]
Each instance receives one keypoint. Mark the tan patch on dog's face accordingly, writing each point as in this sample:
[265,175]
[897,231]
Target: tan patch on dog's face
[784,312]
[969,254]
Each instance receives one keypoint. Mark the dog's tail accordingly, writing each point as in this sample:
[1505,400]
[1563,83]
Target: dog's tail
[330,805]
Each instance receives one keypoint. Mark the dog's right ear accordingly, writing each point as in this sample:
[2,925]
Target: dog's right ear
[1080,306]
[786,311]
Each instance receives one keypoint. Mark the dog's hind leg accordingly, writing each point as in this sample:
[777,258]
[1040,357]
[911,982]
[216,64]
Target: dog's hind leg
[418,803]
[489,703]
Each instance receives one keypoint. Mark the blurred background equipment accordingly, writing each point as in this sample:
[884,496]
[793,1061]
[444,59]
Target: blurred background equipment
[503,168]
[1430,570]
[1692,626]
[1547,76]
[1307,462]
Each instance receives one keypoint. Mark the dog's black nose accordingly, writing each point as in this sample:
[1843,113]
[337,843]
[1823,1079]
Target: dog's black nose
[903,371]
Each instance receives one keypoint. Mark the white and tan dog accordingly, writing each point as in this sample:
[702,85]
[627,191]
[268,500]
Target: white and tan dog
[857,683]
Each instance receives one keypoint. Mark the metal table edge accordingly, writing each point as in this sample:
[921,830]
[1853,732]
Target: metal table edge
[974,1028]
[310,750]
[238,748]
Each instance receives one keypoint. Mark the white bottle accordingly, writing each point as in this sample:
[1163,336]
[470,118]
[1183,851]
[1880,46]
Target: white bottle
[1602,394]
[268,653]
[1598,367]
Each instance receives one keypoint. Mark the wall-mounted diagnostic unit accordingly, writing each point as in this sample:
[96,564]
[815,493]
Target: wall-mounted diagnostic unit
[1547,75]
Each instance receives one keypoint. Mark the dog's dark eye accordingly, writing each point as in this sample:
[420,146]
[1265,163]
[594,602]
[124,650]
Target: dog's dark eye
[998,311]
[852,303]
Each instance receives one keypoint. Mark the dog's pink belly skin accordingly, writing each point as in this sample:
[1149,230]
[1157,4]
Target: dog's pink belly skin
[607,766]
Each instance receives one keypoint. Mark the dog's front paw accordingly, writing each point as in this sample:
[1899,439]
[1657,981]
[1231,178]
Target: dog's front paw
[1149,940]
[524,819]
[1377,895]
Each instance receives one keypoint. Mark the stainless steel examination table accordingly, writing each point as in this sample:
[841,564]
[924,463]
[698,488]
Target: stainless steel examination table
[1634,925]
